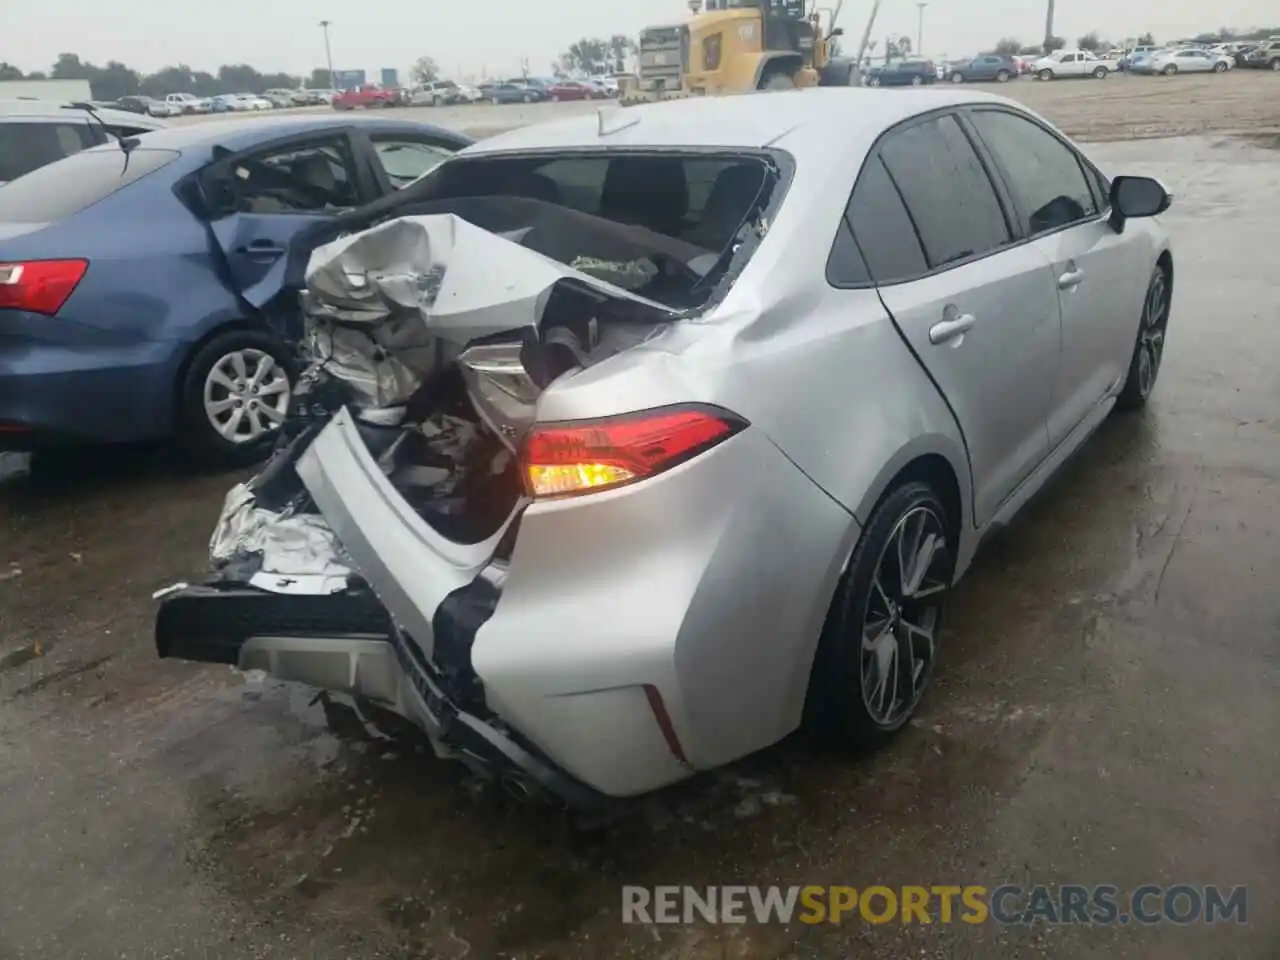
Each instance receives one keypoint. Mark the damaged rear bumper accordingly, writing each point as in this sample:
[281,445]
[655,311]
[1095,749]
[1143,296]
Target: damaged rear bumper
[346,643]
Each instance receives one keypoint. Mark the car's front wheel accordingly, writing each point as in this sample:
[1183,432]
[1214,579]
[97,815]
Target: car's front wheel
[1046,74]
[1148,351]
[879,644]
[234,396]
[1170,70]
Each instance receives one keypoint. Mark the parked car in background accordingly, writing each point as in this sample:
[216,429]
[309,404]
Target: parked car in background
[140,292]
[508,92]
[369,97]
[315,96]
[908,72]
[540,86]
[1139,52]
[255,101]
[1066,64]
[188,103]
[279,98]
[467,93]
[34,133]
[608,83]
[1266,56]
[225,103]
[148,106]
[574,90]
[988,67]
[975,303]
[437,93]
[1185,60]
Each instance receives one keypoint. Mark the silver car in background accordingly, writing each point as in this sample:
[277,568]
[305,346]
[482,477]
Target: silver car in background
[636,440]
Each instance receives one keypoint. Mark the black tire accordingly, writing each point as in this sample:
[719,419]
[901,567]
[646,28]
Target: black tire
[917,81]
[1045,74]
[778,81]
[1099,73]
[528,98]
[837,704]
[957,77]
[1219,68]
[197,435]
[1275,64]
[1170,70]
[1002,76]
[1153,325]
[437,102]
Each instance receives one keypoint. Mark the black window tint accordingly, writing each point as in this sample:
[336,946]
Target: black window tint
[1044,174]
[29,145]
[885,233]
[845,266]
[946,190]
[64,188]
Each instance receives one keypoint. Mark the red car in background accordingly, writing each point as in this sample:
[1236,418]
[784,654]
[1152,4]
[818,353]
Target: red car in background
[574,90]
[370,97]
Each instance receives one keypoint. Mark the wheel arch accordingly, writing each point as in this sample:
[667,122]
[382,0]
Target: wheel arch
[770,63]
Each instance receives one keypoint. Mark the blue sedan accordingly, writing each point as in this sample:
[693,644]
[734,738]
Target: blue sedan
[143,289]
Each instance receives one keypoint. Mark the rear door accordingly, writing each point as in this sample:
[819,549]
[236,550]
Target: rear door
[259,200]
[1058,205]
[980,312]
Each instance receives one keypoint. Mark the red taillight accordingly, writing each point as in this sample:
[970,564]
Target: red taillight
[39,286]
[583,456]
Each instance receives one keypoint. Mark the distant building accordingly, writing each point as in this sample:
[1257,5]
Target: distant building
[45,90]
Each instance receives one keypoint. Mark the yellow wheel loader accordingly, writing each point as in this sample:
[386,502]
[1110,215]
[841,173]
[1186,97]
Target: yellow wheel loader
[736,46]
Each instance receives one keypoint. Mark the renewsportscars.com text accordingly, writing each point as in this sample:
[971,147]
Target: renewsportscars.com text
[940,903]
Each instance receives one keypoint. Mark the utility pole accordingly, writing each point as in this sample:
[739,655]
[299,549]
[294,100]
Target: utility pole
[855,78]
[920,4]
[1048,27]
[328,53]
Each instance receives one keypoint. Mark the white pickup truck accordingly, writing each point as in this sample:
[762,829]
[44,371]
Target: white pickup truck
[1074,63]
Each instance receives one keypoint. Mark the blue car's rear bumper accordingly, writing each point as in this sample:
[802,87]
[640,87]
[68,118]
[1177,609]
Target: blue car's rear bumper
[63,387]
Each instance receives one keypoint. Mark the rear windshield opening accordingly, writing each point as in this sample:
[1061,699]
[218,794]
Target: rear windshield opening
[67,186]
[668,227]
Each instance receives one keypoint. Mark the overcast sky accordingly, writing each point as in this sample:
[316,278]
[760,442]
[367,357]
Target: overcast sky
[476,35]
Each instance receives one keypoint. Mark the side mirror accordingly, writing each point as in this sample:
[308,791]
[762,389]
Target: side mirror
[837,32]
[1137,197]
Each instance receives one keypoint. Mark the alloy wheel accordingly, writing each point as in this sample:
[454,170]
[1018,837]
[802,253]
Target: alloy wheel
[902,615]
[1155,320]
[246,395]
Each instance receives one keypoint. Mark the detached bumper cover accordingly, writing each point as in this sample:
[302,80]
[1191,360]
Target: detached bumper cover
[354,649]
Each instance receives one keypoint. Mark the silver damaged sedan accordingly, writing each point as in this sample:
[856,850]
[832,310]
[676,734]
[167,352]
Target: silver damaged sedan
[632,442]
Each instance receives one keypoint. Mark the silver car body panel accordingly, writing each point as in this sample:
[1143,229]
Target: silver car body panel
[710,582]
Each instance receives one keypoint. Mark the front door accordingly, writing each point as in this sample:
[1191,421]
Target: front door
[980,312]
[1059,211]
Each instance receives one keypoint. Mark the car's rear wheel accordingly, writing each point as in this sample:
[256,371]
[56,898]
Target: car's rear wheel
[234,396]
[879,644]
[1148,351]
[1219,68]
[1275,64]
[1002,76]
[873,81]
[1099,73]
[957,78]
[1170,70]
[917,81]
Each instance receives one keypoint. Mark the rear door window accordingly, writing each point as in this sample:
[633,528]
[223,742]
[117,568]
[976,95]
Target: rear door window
[26,145]
[947,192]
[882,227]
[61,189]
[306,177]
[404,160]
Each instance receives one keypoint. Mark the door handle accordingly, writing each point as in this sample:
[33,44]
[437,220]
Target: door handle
[1070,279]
[951,328]
[262,248]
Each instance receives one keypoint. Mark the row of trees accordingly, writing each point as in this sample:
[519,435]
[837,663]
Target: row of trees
[597,55]
[117,80]
[1012,46]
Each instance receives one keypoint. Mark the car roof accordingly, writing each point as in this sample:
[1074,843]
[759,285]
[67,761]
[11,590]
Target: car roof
[744,121]
[243,133]
[51,109]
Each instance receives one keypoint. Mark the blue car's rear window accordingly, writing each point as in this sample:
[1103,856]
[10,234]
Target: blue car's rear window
[66,187]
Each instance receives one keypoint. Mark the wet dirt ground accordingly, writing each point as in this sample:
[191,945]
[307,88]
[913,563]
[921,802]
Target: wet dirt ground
[1106,713]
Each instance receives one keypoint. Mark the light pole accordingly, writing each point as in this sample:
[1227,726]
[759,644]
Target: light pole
[921,4]
[328,54]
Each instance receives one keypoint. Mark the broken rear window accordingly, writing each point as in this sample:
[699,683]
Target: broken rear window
[667,226]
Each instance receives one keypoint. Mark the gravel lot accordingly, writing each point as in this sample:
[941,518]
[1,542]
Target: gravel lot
[1106,711]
